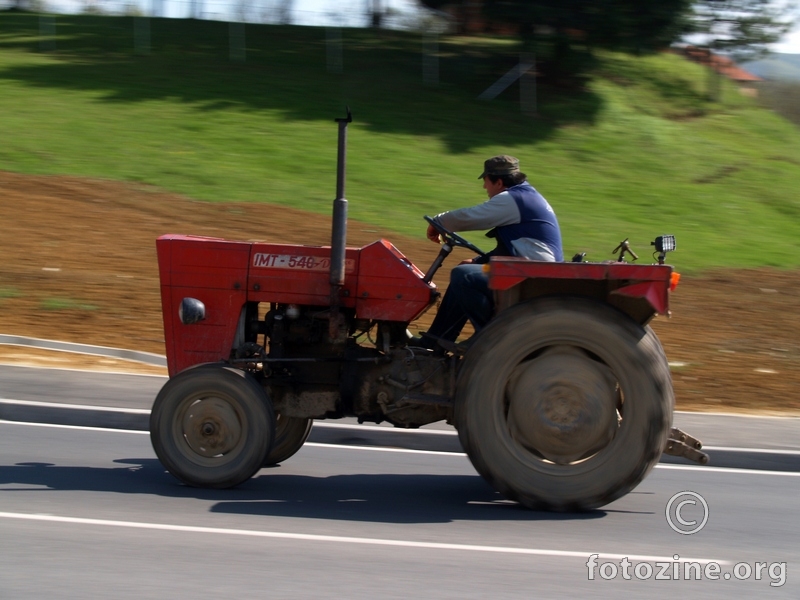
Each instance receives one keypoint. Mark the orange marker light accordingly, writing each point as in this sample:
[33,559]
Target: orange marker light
[673,281]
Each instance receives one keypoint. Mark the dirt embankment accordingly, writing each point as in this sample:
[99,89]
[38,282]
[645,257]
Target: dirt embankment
[79,264]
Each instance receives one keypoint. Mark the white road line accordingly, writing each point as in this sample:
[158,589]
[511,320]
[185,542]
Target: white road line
[89,371]
[753,450]
[702,469]
[658,466]
[349,540]
[78,427]
[388,429]
[146,411]
[741,415]
[353,427]
[383,449]
[37,403]
[726,470]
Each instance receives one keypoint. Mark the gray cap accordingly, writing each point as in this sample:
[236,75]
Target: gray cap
[500,165]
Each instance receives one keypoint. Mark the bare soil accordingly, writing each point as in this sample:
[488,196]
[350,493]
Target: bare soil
[78,263]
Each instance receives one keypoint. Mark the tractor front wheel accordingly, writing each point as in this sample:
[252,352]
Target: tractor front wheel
[564,403]
[212,426]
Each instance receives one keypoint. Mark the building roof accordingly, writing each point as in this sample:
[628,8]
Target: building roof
[721,64]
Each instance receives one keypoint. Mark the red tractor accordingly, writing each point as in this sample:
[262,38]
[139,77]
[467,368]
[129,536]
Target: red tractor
[564,401]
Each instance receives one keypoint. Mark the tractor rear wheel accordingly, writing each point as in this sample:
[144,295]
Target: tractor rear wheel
[564,403]
[212,426]
[290,435]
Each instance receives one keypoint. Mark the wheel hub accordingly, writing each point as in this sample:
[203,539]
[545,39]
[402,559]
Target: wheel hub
[562,405]
[211,427]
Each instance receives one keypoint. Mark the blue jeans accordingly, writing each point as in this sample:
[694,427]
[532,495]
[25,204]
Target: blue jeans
[467,297]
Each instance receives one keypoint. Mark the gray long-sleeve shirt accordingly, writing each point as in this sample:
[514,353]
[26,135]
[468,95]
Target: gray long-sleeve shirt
[497,211]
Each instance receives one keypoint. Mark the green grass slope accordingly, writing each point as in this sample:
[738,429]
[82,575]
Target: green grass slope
[638,153]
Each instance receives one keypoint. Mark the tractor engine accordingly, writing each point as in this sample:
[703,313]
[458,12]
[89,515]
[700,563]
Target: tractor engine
[372,373]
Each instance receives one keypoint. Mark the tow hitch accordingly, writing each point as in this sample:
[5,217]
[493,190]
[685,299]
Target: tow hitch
[682,444]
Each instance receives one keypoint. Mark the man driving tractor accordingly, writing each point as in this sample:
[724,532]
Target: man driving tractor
[524,225]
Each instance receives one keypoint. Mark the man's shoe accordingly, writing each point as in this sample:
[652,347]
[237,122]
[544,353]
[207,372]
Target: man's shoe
[423,340]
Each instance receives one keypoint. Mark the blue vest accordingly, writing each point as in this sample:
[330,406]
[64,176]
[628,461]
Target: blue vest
[537,221]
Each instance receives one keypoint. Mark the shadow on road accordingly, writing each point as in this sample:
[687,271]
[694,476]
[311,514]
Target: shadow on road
[382,498]
[387,498]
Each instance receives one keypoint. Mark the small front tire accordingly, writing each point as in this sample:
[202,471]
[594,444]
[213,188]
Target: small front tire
[290,435]
[212,426]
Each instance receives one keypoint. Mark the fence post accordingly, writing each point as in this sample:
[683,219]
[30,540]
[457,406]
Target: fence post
[238,48]
[47,33]
[141,35]
[430,58]
[333,46]
[527,85]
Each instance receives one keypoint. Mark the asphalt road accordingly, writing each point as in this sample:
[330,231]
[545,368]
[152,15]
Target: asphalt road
[366,512]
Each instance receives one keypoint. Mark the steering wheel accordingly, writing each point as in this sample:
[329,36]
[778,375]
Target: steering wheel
[453,238]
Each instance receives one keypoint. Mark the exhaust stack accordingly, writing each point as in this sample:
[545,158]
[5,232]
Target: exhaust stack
[339,231]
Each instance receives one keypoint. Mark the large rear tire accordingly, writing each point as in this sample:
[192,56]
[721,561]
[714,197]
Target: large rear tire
[212,426]
[290,435]
[564,403]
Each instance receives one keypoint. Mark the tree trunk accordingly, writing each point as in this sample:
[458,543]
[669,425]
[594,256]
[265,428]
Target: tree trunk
[376,14]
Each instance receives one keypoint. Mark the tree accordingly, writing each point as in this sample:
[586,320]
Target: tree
[375,13]
[742,29]
[196,9]
[282,10]
[563,33]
